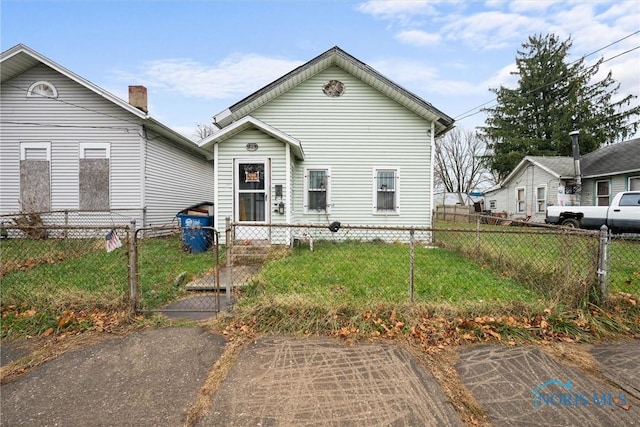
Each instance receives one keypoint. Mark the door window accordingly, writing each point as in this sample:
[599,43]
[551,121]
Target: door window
[252,197]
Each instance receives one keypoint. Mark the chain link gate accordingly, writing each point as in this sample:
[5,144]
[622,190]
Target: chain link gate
[187,284]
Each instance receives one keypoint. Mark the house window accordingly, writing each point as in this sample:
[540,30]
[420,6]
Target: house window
[317,191]
[520,200]
[42,89]
[94,176]
[634,183]
[602,193]
[541,199]
[492,204]
[35,176]
[385,190]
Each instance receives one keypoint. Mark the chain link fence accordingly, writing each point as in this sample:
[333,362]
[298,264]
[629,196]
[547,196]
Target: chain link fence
[177,270]
[49,269]
[563,266]
[60,275]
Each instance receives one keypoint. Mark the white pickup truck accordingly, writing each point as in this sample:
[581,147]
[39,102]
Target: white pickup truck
[623,215]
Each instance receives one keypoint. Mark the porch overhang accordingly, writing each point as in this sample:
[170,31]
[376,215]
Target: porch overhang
[250,122]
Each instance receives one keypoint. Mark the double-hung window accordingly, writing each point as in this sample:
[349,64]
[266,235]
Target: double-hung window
[602,193]
[317,190]
[541,199]
[94,175]
[521,203]
[385,190]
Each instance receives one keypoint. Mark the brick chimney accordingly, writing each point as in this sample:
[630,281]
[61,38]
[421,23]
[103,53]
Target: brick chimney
[138,97]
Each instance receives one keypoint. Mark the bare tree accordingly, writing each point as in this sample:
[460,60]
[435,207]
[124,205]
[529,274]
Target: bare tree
[459,165]
[202,131]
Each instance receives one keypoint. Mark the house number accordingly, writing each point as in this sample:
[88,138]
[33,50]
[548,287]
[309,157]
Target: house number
[252,146]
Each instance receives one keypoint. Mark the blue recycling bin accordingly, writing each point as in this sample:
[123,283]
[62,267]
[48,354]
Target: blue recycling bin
[195,239]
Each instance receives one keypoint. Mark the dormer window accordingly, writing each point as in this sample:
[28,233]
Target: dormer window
[43,89]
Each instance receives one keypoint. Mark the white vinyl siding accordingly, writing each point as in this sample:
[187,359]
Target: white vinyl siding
[353,134]
[79,116]
[175,184]
[235,149]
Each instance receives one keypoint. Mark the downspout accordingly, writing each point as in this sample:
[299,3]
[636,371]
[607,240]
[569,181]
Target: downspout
[143,178]
[216,192]
[287,180]
[432,143]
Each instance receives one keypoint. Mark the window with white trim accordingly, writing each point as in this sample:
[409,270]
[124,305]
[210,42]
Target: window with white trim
[42,89]
[541,199]
[634,183]
[316,190]
[521,203]
[94,174]
[492,204]
[602,193]
[35,176]
[385,190]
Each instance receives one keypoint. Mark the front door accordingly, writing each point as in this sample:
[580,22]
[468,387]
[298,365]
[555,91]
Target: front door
[252,199]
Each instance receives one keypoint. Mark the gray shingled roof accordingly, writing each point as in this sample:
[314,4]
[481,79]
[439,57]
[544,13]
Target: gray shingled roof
[615,158]
[562,166]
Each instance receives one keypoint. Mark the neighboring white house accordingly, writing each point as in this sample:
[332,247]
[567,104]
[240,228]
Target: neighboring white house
[67,144]
[333,140]
[538,182]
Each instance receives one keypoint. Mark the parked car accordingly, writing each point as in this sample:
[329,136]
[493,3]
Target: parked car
[623,215]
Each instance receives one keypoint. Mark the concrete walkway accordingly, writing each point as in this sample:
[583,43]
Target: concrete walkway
[153,378]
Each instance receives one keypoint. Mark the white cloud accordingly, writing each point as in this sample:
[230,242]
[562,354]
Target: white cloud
[233,77]
[491,30]
[397,10]
[418,38]
[521,6]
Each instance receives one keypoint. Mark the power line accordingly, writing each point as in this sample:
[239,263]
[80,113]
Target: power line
[466,114]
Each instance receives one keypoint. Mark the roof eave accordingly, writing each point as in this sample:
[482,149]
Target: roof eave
[248,122]
[336,56]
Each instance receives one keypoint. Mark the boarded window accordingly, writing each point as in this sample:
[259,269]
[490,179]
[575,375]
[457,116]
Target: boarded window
[94,177]
[35,177]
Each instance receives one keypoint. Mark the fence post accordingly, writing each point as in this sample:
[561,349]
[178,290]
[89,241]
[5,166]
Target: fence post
[66,224]
[133,267]
[411,263]
[602,262]
[228,248]
[477,235]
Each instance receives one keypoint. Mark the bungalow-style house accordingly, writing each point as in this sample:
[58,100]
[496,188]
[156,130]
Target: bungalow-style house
[332,140]
[69,145]
[538,182]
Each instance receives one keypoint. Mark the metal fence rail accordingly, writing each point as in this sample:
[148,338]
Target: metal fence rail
[563,265]
[105,266]
[193,287]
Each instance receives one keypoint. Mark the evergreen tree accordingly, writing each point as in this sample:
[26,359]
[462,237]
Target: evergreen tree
[553,98]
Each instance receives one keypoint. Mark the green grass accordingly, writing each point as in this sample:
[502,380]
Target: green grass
[364,274]
[45,280]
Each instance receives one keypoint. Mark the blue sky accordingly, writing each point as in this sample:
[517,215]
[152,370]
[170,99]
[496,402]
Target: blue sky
[198,57]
